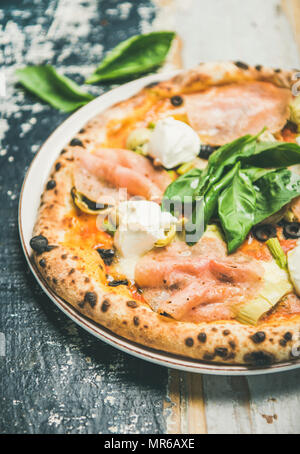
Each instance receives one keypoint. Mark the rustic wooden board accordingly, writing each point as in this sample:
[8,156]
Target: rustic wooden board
[255,32]
[55,378]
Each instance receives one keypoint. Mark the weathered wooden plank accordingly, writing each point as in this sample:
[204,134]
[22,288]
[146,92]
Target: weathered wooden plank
[251,30]
[292,10]
[55,378]
[275,403]
[184,407]
[227,405]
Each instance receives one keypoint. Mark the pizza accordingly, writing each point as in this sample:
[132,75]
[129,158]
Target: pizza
[111,235]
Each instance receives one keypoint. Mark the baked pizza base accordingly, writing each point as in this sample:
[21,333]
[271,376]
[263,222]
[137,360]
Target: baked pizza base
[70,272]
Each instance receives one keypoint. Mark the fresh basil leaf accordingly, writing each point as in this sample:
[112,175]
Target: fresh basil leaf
[212,195]
[59,91]
[250,152]
[210,202]
[227,156]
[255,173]
[274,191]
[236,208]
[184,187]
[135,56]
[273,154]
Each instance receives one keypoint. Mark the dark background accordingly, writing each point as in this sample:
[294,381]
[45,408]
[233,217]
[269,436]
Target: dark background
[56,378]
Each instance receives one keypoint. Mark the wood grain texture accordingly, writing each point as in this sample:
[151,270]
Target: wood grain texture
[292,10]
[184,406]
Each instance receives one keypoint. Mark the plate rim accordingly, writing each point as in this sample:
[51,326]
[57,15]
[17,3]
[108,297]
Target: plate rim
[138,350]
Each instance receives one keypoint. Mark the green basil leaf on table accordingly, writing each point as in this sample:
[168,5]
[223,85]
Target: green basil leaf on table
[135,56]
[274,191]
[236,209]
[59,91]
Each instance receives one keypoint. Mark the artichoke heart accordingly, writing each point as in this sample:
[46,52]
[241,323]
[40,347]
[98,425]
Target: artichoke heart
[138,140]
[276,286]
[170,235]
[86,205]
[295,111]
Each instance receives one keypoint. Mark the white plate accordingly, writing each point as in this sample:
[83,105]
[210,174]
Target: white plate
[32,188]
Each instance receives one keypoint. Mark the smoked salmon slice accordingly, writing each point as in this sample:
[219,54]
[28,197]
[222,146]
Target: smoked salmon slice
[222,114]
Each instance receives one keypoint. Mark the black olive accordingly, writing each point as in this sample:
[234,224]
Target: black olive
[94,206]
[176,101]
[292,230]
[39,243]
[264,232]
[241,65]
[206,151]
[76,142]
[107,255]
[116,283]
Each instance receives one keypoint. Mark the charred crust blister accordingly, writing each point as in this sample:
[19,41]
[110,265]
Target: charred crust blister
[241,65]
[152,84]
[90,298]
[76,142]
[132,304]
[42,263]
[221,351]
[202,338]
[288,336]
[259,358]
[136,321]
[232,345]
[258,337]
[208,356]
[189,341]
[105,305]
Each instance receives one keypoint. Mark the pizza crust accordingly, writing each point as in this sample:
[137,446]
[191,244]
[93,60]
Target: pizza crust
[223,341]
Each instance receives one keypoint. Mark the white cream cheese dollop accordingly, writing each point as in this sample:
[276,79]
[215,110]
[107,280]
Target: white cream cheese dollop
[141,225]
[294,267]
[173,142]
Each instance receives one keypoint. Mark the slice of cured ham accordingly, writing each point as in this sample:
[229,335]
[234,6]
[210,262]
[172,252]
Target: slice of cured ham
[187,284]
[100,175]
[224,113]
